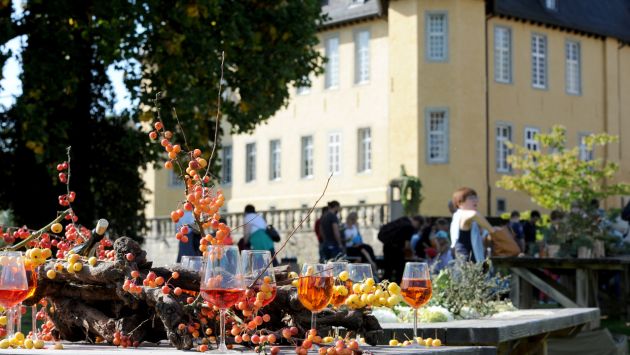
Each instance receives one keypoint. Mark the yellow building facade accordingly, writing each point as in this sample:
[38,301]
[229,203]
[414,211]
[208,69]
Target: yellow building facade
[437,86]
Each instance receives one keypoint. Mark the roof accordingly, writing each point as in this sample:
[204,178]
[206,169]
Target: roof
[344,11]
[608,18]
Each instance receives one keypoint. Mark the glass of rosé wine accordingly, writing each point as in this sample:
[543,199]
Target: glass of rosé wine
[13,284]
[315,288]
[222,282]
[416,289]
[258,273]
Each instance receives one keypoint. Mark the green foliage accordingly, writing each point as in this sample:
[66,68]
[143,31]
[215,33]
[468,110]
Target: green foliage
[410,192]
[467,286]
[168,46]
[555,177]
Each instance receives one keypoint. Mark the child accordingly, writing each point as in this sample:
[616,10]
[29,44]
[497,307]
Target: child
[442,244]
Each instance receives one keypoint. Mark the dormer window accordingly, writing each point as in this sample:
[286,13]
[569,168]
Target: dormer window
[551,5]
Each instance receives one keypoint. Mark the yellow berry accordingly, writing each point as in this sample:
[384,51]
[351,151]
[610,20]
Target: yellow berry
[344,276]
[56,228]
[392,301]
[5,343]
[92,261]
[420,340]
[28,343]
[58,346]
[3,320]
[393,342]
[59,266]
[74,258]
[19,336]
[437,342]
[356,288]
[428,341]
[38,344]
[36,253]
[393,288]
[51,274]
[294,283]
[293,275]
[46,253]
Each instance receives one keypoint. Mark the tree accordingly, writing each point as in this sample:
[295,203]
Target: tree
[168,46]
[555,177]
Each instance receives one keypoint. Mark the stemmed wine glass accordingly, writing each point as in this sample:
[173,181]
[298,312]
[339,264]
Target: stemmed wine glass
[342,289]
[31,278]
[222,283]
[360,272]
[13,284]
[255,268]
[416,289]
[315,288]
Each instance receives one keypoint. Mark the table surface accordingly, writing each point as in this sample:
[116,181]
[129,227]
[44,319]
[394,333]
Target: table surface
[501,327]
[562,263]
[89,349]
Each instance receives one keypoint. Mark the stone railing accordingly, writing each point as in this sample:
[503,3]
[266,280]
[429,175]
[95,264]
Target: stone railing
[162,246]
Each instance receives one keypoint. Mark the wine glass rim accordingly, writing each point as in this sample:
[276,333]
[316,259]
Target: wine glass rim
[11,252]
[417,263]
[256,252]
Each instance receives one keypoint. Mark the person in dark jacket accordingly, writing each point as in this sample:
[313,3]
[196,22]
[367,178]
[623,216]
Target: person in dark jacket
[529,232]
[394,236]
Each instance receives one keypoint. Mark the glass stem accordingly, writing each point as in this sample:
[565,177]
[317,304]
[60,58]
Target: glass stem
[415,324]
[313,320]
[222,346]
[34,320]
[18,317]
[10,322]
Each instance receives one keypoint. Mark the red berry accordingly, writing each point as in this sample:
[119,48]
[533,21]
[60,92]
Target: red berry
[255,339]
[135,273]
[158,125]
[130,256]
[166,290]
[275,350]
[294,330]
[177,291]
[153,135]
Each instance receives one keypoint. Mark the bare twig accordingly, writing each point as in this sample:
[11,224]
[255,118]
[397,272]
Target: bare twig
[218,118]
[310,211]
[181,129]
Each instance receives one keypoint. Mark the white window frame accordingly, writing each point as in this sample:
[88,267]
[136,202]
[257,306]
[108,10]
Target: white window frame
[307,157]
[174,180]
[226,164]
[502,151]
[585,154]
[431,135]
[364,159]
[362,56]
[539,52]
[334,153]
[275,160]
[331,77]
[573,67]
[250,162]
[503,54]
[529,139]
[442,56]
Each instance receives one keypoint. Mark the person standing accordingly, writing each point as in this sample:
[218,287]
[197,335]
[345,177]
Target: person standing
[191,246]
[333,244]
[318,234]
[255,231]
[517,229]
[466,226]
[394,236]
[529,232]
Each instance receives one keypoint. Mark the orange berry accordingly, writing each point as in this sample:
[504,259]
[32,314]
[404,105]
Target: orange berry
[177,291]
[158,125]
[175,275]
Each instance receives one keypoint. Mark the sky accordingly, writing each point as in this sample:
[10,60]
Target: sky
[11,85]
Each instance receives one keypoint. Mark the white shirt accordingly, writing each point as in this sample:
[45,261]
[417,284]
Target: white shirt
[254,222]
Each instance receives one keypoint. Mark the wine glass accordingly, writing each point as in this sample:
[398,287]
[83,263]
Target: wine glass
[315,288]
[194,263]
[360,272]
[13,284]
[416,289]
[342,289]
[31,277]
[258,273]
[222,283]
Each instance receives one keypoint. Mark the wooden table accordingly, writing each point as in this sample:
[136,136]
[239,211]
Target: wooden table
[89,349]
[523,331]
[578,286]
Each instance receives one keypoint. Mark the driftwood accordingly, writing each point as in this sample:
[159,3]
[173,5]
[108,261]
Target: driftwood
[92,302]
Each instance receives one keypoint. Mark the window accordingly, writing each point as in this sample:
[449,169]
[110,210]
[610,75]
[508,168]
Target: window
[551,4]
[436,41]
[174,180]
[332,65]
[530,139]
[436,123]
[503,136]
[573,78]
[226,166]
[334,153]
[539,61]
[586,154]
[362,56]
[307,157]
[274,159]
[501,206]
[365,150]
[250,162]
[502,54]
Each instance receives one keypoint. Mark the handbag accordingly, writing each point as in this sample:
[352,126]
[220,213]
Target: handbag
[272,233]
[504,243]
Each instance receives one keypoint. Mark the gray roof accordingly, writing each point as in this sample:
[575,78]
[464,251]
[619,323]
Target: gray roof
[343,11]
[608,18]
